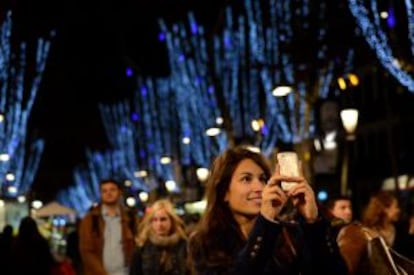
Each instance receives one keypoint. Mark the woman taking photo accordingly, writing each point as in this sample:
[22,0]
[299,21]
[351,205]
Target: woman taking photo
[241,231]
[161,243]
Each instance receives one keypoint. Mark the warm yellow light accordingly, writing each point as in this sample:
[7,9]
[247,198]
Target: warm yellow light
[1,118]
[140,174]
[341,83]
[127,183]
[349,119]
[353,79]
[384,15]
[257,124]
[307,156]
[143,196]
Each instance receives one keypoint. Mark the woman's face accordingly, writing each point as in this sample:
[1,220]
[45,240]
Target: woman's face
[244,195]
[161,223]
[393,211]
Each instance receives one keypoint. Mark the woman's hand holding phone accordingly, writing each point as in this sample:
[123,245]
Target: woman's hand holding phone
[273,198]
[296,186]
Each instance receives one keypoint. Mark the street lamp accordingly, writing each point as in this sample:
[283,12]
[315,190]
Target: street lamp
[349,119]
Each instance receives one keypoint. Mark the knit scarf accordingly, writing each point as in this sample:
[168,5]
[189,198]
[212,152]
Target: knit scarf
[166,243]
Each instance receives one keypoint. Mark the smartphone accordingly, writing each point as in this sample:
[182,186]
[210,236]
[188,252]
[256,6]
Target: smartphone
[289,166]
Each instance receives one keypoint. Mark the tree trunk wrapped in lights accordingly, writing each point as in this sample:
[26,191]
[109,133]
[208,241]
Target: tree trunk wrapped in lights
[223,82]
[19,161]
[239,67]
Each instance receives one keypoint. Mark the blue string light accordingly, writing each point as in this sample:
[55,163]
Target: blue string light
[16,103]
[247,57]
[194,93]
[391,21]
[377,39]
[242,63]
[410,18]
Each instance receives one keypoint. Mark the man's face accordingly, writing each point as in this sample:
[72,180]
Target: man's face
[110,193]
[343,210]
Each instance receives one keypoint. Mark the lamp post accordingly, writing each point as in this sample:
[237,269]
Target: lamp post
[349,119]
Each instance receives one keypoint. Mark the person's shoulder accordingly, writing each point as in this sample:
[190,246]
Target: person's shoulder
[127,214]
[352,236]
[337,222]
[93,212]
[356,230]
[353,226]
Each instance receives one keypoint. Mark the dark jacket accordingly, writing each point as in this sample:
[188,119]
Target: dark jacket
[314,252]
[404,242]
[147,259]
[31,256]
[91,240]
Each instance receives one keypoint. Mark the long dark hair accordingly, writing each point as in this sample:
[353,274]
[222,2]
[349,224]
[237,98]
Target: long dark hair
[375,212]
[218,234]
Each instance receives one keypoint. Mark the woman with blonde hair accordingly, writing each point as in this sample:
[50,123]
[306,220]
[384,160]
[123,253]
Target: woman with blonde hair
[161,242]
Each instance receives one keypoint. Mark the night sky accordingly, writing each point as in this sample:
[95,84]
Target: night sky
[94,43]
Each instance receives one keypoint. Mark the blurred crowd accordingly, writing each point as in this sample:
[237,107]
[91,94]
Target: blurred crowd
[251,225]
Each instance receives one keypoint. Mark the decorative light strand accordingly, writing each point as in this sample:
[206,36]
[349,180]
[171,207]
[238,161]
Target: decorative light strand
[16,103]
[246,58]
[378,41]
[410,18]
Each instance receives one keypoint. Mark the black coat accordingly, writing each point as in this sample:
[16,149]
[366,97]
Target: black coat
[146,259]
[316,252]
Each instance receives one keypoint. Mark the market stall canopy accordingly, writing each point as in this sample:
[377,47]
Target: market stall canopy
[54,209]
